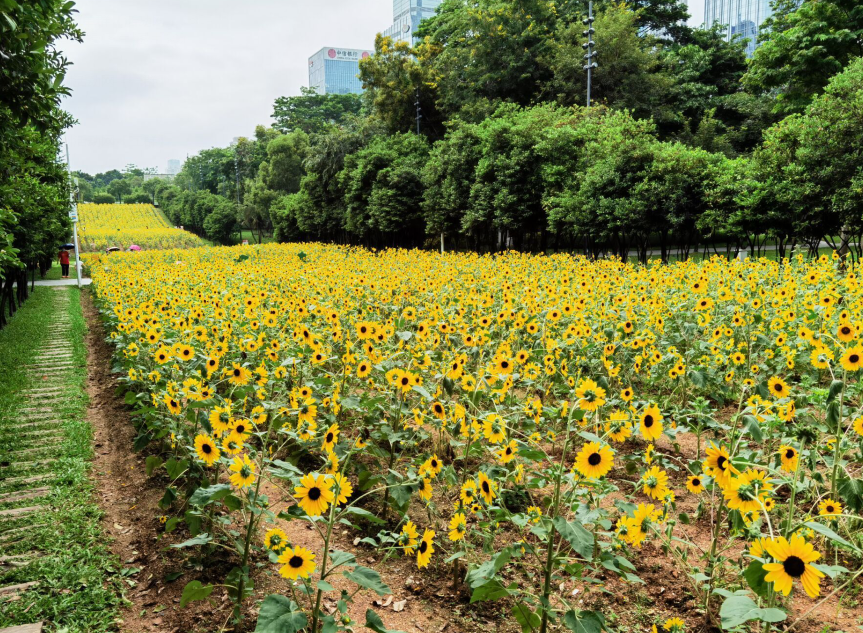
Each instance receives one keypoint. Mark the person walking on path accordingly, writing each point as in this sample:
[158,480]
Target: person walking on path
[64,262]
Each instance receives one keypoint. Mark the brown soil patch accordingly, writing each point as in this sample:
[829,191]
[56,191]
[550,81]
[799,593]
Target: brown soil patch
[129,500]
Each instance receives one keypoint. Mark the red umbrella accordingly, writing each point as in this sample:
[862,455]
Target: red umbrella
[134,247]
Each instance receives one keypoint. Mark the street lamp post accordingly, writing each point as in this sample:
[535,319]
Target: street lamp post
[589,47]
[73,215]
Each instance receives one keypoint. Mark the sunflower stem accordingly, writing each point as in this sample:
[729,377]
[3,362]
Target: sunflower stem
[549,559]
[836,450]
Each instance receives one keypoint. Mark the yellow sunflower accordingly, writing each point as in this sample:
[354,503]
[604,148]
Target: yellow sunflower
[789,457]
[297,562]
[594,460]
[314,494]
[206,449]
[275,540]
[425,549]
[717,464]
[486,488]
[695,484]
[794,560]
[590,395]
[829,508]
[650,423]
[777,387]
[852,359]
[330,438]
[243,472]
[457,526]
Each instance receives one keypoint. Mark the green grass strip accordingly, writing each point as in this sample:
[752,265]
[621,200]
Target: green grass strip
[79,583]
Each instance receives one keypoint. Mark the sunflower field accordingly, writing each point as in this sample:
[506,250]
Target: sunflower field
[101,226]
[537,430]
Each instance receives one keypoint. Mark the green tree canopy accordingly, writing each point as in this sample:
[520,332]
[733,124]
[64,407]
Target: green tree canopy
[313,113]
[802,48]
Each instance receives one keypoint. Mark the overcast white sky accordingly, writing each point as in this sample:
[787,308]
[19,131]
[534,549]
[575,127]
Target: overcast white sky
[160,79]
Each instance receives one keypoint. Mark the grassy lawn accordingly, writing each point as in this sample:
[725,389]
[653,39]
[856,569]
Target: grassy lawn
[253,237]
[79,582]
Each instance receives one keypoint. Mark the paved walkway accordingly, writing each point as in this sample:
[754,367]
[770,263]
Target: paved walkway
[86,281]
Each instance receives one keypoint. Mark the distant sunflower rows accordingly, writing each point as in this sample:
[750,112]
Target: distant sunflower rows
[508,416]
[103,226]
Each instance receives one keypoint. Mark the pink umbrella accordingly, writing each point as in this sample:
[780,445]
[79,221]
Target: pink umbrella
[134,247]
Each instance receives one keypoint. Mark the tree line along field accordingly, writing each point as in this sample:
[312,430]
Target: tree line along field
[103,226]
[552,436]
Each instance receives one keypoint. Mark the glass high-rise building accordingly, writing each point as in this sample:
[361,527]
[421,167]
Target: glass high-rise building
[407,15]
[739,17]
[336,70]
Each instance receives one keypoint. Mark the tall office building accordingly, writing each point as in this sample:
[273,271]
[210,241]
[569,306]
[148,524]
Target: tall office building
[173,167]
[739,17]
[336,70]
[407,15]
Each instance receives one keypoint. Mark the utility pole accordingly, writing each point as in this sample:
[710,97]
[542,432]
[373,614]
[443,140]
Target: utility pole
[73,215]
[589,47]
[419,110]
[237,174]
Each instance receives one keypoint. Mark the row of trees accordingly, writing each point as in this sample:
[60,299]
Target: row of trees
[34,187]
[477,133]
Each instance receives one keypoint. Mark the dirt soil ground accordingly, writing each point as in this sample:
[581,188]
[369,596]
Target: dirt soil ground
[426,602]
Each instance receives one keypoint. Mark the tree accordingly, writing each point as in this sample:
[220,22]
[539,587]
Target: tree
[398,79]
[803,47]
[153,186]
[285,156]
[119,188]
[321,215]
[630,73]
[220,224]
[32,72]
[383,190]
[103,197]
[704,71]
[313,113]
[483,52]
[255,208]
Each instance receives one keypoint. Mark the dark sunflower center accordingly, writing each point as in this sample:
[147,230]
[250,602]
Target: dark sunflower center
[595,459]
[720,462]
[296,562]
[485,487]
[794,567]
[789,454]
[207,448]
[830,509]
[777,388]
[405,381]
[696,482]
[504,365]
[237,373]
[648,421]
[423,547]
[434,463]
[241,429]
[846,330]
[314,493]
[854,358]
[329,437]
